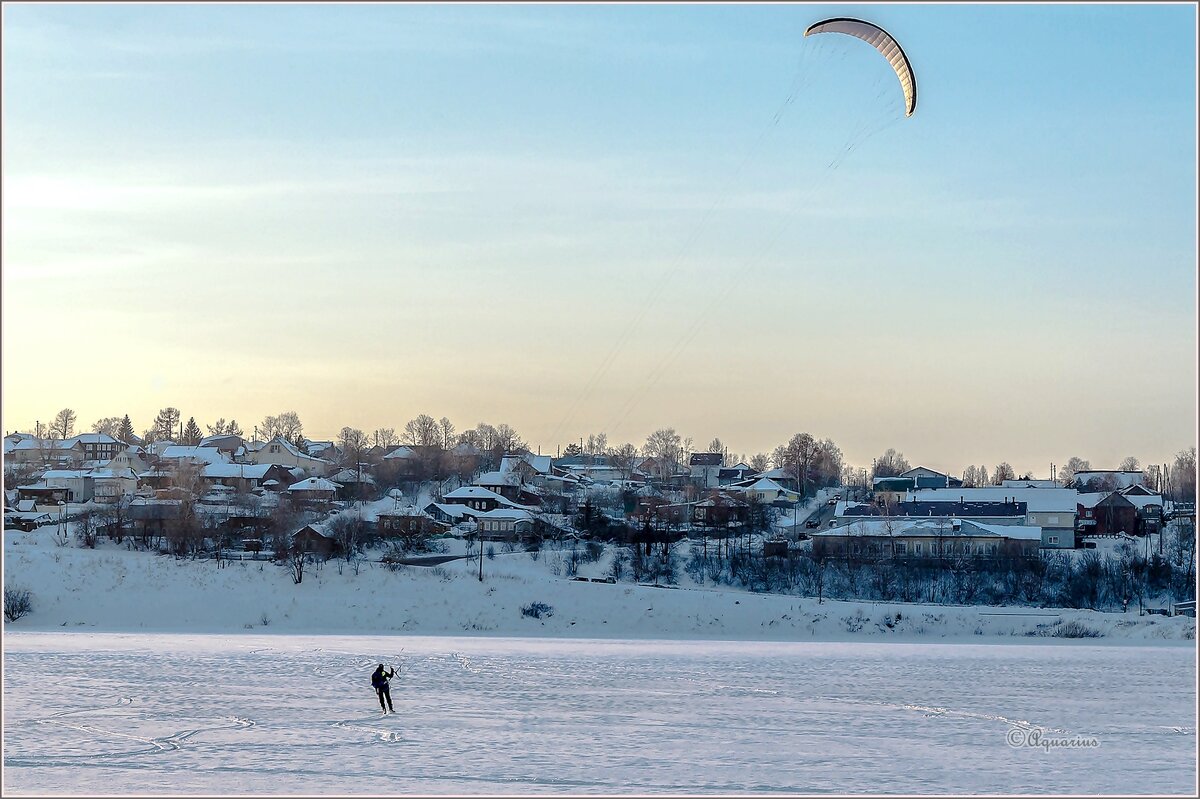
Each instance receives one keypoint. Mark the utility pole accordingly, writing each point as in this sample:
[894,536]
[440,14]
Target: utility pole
[480,554]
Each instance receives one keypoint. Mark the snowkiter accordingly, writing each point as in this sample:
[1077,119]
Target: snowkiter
[379,680]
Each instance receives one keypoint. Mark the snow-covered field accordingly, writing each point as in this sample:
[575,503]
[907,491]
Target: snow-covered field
[139,673]
[88,714]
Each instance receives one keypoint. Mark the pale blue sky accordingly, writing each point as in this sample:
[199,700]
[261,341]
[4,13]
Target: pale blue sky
[518,213]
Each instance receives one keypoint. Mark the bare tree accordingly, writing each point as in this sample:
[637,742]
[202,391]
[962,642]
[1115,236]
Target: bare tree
[507,440]
[348,529]
[352,442]
[108,426]
[87,529]
[623,457]
[296,559]
[1130,464]
[286,424]
[1181,477]
[1066,472]
[63,425]
[597,444]
[1003,472]
[422,431]
[665,446]
[760,462]
[446,427]
[384,437]
[115,515]
[890,464]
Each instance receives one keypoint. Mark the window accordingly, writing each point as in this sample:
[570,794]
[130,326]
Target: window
[917,548]
[1053,540]
[274,447]
[901,548]
[991,549]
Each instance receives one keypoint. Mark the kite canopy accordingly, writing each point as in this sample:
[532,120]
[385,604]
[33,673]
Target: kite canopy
[882,41]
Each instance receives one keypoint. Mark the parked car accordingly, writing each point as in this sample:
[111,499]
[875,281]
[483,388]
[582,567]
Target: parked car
[18,521]
[811,523]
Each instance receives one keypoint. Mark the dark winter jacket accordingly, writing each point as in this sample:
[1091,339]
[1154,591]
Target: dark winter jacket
[380,678]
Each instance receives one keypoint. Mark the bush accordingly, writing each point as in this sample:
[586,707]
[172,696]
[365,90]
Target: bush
[1074,629]
[18,602]
[537,610]
[1068,629]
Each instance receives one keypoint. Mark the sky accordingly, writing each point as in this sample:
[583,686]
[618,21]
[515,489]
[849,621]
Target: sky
[576,219]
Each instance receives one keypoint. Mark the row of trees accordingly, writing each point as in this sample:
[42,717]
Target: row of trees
[1059,579]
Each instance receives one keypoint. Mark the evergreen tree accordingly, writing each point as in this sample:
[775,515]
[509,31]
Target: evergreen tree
[191,433]
[125,431]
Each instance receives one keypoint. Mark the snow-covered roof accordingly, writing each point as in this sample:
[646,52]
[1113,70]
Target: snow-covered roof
[1030,484]
[767,484]
[499,478]
[94,438]
[65,474]
[477,492]
[314,484]
[108,474]
[352,476]
[27,444]
[1037,500]
[1121,479]
[506,513]
[293,450]
[540,463]
[251,471]
[454,511]
[218,438]
[916,470]
[402,510]
[199,454]
[400,452]
[941,528]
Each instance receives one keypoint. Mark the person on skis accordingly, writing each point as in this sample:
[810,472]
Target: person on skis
[379,680]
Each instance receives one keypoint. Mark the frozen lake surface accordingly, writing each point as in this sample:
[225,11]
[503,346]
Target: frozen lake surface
[284,714]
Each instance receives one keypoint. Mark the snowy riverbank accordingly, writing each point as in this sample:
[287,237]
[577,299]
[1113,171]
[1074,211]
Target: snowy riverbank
[116,590]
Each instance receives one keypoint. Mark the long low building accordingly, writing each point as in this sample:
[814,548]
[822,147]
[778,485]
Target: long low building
[1052,509]
[926,538]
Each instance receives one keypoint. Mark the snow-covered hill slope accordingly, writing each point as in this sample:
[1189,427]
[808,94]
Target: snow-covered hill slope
[114,589]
